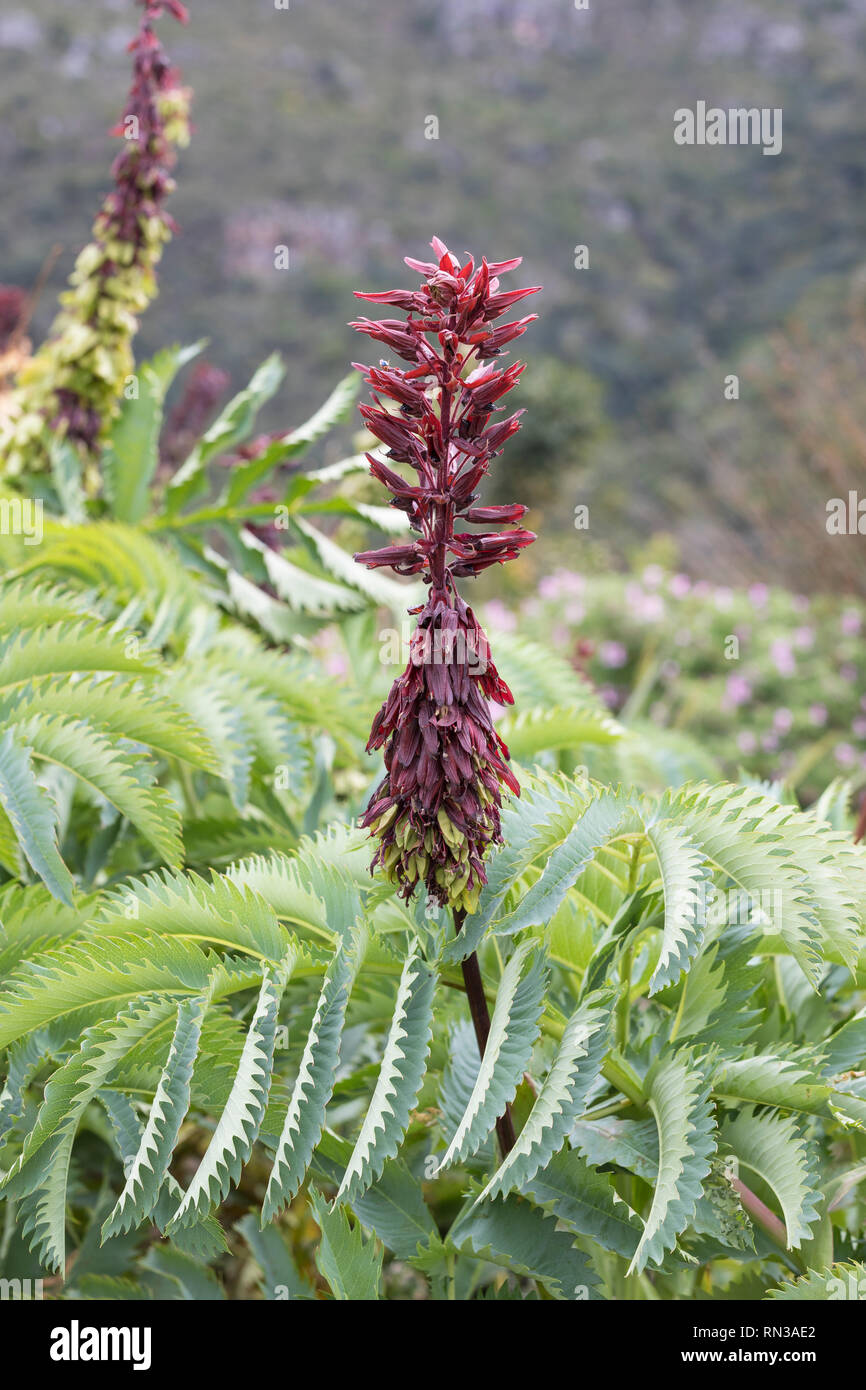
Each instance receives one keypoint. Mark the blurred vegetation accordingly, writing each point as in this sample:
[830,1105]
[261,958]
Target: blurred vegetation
[760,681]
[555,130]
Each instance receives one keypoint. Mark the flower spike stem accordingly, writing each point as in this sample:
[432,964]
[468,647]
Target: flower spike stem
[481,1023]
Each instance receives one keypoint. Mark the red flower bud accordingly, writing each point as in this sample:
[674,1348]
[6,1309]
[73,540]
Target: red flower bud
[513,511]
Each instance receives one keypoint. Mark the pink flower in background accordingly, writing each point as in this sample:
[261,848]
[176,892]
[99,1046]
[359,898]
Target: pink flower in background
[746,741]
[783,721]
[844,754]
[633,594]
[782,657]
[650,608]
[610,695]
[738,692]
[848,672]
[818,715]
[804,638]
[758,595]
[645,607]
[498,615]
[336,664]
[572,582]
[680,585]
[859,726]
[561,584]
[574,612]
[613,655]
[850,622]
[329,649]
[723,599]
[769,743]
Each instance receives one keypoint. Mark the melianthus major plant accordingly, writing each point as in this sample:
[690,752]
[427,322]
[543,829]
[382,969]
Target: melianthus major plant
[235,1063]
[74,382]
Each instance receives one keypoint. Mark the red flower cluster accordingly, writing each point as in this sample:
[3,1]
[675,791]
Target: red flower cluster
[14,308]
[205,387]
[132,223]
[437,810]
[156,106]
[75,382]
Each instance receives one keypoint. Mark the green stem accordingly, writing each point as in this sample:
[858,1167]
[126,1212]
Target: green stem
[624,1002]
[614,1070]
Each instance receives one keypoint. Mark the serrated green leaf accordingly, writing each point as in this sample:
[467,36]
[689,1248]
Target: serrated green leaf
[147,1171]
[231,427]
[842,1281]
[562,1097]
[33,817]
[238,1125]
[678,1097]
[351,1265]
[524,1239]
[586,1201]
[513,1030]
[399,1080]
[773,1146]
[681,866]
[305,1117]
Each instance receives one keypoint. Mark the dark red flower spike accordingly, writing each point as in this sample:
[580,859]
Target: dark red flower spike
[437,811]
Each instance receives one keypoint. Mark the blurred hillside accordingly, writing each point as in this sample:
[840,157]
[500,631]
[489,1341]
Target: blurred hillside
[555,130]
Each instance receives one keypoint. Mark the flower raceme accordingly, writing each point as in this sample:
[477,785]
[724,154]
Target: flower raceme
[75,381]
[437,810]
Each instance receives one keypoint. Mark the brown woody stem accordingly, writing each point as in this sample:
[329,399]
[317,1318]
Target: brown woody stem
[481,1022]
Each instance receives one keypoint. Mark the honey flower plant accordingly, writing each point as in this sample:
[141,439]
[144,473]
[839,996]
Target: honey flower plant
[74,383]
[437,810]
